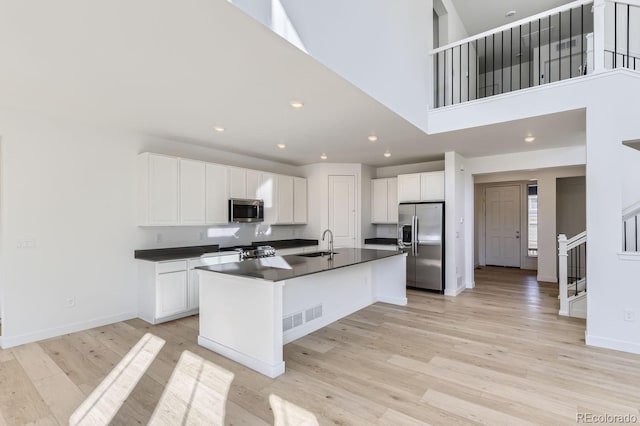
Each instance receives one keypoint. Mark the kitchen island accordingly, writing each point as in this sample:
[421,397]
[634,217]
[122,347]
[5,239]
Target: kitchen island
[250,309]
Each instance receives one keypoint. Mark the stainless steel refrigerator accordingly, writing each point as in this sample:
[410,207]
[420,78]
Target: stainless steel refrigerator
[421,236]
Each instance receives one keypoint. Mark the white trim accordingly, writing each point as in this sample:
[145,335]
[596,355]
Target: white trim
[455,292]
[618,345]
[563,313]
[631,211]
[629,2]
[515,24]
[629,255]
[11,341]
[401,301]
[547,279]
[239,357]
[471,284]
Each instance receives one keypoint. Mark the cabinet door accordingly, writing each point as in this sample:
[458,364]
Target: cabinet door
[379,201]
[217,196]
[409,187]
[432,186]
[268,191]
[192,192]
[171,293]
[299,200]
[193,290]
[237,183]
[254,180]
[163,190]
[392,200]
[284,204]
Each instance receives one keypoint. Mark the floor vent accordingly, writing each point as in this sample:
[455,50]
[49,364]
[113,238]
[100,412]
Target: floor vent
[313,313]
[292,321]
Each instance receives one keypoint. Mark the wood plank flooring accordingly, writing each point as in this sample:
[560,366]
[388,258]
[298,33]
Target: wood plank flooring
[497,354]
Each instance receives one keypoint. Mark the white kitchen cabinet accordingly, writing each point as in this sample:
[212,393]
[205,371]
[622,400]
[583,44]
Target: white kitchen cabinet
[296,250]
[192,192]
[254,181]
[392,200]
[299,200]
[384,200]
[409,187]
[268,194]
[432,186]
[217,193]
[237,183]
[381,247]
[427,186]
[157,190]
[284,197]
[170,290]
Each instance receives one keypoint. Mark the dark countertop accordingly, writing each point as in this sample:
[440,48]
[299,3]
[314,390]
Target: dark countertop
[178,253]
[281,268]
[382,241]
[175,253]
[283,244]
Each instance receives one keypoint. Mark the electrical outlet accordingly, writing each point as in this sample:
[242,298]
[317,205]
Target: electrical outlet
[70,302]
[158,238]
[629,315]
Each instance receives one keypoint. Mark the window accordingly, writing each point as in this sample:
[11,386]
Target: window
[532,220]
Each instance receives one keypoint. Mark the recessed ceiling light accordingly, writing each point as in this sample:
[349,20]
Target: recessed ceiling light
[372,138]
[387,154]
[296,104]
[529,139]
[323,156]
[219,129]
[281,146]
[510,13]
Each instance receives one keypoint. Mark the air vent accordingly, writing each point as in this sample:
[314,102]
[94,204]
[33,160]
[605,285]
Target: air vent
[292,321]
[313,313]
[565,45]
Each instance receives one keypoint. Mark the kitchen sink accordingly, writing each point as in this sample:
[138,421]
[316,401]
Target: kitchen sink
[318,254]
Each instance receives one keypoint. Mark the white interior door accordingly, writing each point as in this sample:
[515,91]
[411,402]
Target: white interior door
[342,210]
[502,225]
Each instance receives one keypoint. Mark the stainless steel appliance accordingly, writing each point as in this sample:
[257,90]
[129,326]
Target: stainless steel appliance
[255,252]
[246,211]
[421,236]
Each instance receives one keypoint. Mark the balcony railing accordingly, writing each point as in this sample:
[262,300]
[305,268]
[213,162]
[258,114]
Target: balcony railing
[622,27]
[630,235]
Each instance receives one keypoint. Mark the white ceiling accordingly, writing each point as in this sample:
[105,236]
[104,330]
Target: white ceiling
[479,16]
[177,69]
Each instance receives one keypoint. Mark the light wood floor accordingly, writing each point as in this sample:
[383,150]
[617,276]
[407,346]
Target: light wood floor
[497,354]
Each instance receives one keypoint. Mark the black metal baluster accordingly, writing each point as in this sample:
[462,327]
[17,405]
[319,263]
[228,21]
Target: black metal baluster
[520,57]
[540,48]
[549,58]
[502,62]
[559,46]
[615,34]
[628,35]
[493,63]
[511,61]
[452,86]
[460,72]
[468,71]
[485,67]
[624,240]
[570,43]
[636,218]
[476,70]
[582,71]
[530,57]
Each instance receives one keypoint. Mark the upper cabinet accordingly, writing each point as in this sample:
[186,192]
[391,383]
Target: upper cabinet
[158,190]
[384,200]
[175,191]
[217,193]
[421,187]
[299,200]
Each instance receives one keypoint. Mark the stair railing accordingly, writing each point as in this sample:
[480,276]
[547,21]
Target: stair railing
[572,268]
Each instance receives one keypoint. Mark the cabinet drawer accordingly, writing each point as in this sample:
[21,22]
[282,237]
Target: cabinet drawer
[166,267]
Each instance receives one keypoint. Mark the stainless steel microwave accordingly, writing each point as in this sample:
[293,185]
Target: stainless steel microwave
[246,211]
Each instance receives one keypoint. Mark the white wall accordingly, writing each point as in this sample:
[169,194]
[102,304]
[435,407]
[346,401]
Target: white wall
[571,204]
[631,176]
[455,198]
[394,171]
[71,188]
[367,229]
[378,45]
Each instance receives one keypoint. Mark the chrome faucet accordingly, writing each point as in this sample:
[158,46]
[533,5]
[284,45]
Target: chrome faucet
[330,240]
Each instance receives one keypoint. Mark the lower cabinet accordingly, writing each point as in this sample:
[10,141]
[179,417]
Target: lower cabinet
[170,290]
[296,250]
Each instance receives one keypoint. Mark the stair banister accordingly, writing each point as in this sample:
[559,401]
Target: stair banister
[562,274]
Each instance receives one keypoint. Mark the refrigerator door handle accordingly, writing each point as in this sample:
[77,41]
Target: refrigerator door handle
[415,235]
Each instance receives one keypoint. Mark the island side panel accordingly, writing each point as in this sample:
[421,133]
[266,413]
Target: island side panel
[241,318]
[390,280]
[339,292]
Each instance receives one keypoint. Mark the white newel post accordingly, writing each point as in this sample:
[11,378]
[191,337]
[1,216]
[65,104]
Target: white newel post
[562,274]
[598,35]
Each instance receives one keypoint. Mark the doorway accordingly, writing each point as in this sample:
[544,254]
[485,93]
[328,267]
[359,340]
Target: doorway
[502,226]
[342,210]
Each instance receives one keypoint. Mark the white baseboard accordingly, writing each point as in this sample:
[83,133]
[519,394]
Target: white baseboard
[618,345]
[402,301]
[454,292]
[11,341]
[253,363]
[471,284]
[547,279]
